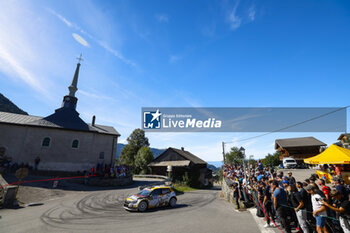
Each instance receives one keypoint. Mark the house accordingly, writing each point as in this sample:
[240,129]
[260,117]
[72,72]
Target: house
[299,148]
[62,141]
[344,140]
[182,161]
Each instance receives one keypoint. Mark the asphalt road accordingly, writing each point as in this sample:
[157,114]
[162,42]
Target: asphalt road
[101,211]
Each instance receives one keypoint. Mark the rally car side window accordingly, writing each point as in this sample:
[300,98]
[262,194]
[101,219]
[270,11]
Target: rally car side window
[165,191]
[157,192]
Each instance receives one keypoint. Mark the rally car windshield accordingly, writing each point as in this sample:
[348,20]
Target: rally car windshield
[145,192]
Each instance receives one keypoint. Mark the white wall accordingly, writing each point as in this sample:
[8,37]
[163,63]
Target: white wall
[24,144]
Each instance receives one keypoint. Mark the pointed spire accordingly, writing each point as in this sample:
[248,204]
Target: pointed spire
[73,87]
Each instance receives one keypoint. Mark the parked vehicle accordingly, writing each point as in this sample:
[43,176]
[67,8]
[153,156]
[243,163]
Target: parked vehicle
[151,197]
[289,163]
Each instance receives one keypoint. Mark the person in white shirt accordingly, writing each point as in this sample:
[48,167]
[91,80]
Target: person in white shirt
[319,210]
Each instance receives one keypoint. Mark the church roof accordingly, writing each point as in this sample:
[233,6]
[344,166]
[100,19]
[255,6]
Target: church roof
[60,119]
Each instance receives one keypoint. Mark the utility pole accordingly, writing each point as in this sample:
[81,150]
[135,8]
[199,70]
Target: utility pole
[223,151]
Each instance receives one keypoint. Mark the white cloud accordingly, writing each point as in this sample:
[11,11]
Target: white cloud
[116,53]
[251,13]
[63,19]
[13,67]
[234,20]
[163,18]
[18,53]
[95,95]
[80,40]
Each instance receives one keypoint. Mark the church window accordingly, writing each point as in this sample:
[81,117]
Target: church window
[46,142]
[75,144]
[102,155]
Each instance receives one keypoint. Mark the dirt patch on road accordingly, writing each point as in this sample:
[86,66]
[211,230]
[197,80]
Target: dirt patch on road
[27,194]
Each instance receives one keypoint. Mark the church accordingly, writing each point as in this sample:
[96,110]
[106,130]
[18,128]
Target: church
[62,140]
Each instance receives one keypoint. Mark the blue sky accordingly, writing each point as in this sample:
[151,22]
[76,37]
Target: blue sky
[177,54]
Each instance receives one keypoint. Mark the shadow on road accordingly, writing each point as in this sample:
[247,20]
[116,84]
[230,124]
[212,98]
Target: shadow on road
[159,209]
[74,184]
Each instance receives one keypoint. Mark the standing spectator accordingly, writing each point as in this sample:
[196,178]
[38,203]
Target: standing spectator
[36,163]
[319,210]
[337,170]
[340,187]
[280,203]
[299,207]
[342,208]
[291,178]
[267,204]
[325,189]
[285,185]
[236,194]
[305,196]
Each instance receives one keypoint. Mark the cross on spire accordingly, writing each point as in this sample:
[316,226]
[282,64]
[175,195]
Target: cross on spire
[80,58]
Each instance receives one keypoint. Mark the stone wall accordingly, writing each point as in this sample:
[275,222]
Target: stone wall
[226,189]
[7,194]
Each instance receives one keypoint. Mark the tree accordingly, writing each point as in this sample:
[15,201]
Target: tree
[143,157]
[136,141]
[253,162]
[234,156]
[272,159]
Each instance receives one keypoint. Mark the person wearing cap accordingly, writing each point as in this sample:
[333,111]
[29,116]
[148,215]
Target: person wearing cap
[298,204]
[281,205]
[339,186]
[312,180]
[342,208]
[285,185]
[319,210]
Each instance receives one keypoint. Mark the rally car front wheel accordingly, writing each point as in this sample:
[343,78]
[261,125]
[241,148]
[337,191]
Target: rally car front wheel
[142,206]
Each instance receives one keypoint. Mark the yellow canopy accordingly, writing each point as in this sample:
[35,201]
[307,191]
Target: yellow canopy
[332,155]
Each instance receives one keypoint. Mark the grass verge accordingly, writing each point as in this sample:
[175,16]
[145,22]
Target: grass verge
[179,188]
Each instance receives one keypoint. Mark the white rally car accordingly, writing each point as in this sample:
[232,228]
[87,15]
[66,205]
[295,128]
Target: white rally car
[151,198]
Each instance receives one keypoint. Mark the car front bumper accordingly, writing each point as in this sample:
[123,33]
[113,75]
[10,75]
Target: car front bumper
[130,206]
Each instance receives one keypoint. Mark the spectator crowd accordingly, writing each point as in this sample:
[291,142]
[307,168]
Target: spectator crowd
[286,203]
[109,171]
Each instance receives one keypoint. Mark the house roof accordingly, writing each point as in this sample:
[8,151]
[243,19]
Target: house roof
[298,142]
[343,135]
[65,119]
[180,163]
[188,155]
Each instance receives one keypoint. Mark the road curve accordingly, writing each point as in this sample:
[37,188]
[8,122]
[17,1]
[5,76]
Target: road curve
[102,211]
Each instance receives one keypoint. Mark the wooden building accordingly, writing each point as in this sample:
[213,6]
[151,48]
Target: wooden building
[182,161]
[299,148]
[344,140]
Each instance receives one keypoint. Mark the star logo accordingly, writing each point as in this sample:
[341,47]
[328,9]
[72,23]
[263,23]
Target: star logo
[152,119]
[156,115]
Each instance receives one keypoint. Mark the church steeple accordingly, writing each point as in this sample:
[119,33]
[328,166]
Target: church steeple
[70,101]
[73,87]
